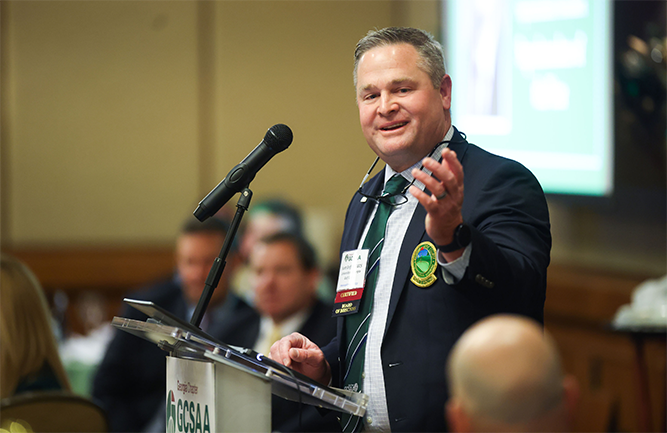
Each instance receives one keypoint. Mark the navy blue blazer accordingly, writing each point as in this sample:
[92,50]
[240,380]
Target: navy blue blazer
[506,208]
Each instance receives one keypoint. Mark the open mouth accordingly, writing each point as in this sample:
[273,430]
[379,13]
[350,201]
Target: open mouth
[394,126]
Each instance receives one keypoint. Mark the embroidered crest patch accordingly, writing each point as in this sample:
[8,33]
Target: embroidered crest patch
[423,264]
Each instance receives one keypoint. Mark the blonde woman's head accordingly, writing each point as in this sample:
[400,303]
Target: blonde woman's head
[27,340]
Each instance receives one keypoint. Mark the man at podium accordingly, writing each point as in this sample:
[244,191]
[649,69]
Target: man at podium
[422,259]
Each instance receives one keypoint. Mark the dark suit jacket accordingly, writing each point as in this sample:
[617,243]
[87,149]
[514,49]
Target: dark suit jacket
[511,241]
[131,380]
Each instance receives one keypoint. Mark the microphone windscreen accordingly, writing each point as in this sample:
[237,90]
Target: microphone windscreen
[278,137]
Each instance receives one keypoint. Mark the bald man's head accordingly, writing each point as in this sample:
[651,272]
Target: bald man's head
[505,373]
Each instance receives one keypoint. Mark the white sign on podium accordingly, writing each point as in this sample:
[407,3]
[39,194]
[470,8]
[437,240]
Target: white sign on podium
[205,397]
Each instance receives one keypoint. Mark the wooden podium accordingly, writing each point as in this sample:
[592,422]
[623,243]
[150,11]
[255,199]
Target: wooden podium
[212,386]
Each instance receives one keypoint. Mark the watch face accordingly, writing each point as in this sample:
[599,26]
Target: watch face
[463,235]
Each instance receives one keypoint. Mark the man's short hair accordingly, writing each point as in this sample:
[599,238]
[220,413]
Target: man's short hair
[211,225]
[429,49]
[304,250]
[283,209]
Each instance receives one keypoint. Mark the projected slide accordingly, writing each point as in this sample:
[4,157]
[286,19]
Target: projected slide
[532,82]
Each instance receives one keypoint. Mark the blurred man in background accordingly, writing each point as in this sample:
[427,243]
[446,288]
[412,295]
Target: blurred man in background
[285,276]
[131,380]
[265,218]
[505,375]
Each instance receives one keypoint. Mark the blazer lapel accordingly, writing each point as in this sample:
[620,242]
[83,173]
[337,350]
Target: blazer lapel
[459,145]
[361,209]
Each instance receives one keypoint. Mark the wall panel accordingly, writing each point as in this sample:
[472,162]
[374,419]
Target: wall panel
[103,121]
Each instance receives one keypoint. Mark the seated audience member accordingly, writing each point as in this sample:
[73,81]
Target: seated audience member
[266,218]
[29,359]
[285,277]
[131,380]
[504,374]
[263,219]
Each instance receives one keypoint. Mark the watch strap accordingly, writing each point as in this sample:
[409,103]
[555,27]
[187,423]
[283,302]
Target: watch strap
[460,240]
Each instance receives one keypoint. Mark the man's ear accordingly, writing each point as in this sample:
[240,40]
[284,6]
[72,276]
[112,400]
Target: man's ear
[446,92]
[456,417]
[314,277]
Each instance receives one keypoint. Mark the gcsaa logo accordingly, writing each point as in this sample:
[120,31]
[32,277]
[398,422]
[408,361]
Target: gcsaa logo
[171,413]
[186,416]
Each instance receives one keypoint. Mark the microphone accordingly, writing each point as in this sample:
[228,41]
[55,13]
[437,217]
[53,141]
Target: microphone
[277,139]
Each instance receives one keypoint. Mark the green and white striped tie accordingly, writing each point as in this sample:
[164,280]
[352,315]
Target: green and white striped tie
[356,325]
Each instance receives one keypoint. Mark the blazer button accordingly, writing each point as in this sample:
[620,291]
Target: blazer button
[479,279]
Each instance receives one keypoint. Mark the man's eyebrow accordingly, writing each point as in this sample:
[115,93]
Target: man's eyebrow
[401,81]
[395,82]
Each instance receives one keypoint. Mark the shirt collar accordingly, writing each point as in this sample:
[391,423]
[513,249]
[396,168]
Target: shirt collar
[289,325]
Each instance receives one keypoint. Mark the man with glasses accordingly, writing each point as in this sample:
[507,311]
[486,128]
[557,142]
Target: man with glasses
[421,259]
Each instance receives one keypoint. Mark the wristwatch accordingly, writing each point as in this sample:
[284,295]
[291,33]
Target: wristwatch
[461,239]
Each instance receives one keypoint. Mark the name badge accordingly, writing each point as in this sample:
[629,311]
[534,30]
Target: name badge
[351,279]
